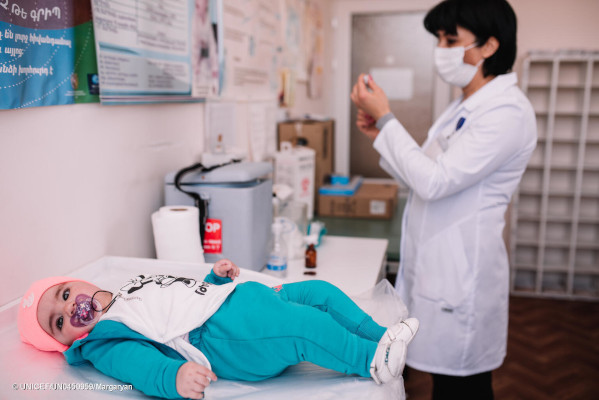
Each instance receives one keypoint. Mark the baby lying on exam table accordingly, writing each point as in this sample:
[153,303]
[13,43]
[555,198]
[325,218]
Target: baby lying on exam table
[170,336]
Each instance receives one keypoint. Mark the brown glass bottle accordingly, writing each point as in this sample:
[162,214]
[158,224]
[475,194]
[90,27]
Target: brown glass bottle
[310,256]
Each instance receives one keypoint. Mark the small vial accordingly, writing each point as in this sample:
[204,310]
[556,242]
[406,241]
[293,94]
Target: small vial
[311,256]
[367,82]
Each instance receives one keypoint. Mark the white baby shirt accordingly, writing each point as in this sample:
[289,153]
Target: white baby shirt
[166,308]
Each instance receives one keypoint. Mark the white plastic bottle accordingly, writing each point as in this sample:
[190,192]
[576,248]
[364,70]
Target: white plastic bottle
[277,260]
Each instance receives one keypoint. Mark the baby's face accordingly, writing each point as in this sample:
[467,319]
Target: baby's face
[57,306]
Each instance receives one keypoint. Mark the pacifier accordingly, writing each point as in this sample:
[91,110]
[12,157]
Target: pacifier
[85,314]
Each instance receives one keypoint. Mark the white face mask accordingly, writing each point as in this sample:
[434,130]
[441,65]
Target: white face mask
[451,66]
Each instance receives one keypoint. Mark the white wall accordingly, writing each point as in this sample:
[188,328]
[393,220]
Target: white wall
[556,24]
[81,181]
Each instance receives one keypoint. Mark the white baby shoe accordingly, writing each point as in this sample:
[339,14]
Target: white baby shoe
[389,361]
[390,357]
[404,331]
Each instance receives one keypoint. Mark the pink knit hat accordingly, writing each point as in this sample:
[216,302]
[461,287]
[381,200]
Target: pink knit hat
[29,327]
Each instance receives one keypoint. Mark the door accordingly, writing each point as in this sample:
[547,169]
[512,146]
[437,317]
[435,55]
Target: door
[396,49]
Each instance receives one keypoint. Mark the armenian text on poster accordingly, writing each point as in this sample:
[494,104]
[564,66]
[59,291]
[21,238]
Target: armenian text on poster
[47,54]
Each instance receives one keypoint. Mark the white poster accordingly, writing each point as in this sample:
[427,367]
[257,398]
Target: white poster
[220,123]
[251,49]
[262,129]
[295,52]
[151,51]
[204,50]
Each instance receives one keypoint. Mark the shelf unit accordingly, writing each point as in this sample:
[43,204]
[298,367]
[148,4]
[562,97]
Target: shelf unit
[554,235]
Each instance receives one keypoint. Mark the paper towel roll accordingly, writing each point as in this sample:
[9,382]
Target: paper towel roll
[177,234]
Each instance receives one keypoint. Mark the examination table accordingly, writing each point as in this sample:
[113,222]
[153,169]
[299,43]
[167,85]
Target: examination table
[28,373]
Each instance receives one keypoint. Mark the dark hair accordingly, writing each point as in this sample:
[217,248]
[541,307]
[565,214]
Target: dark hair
[484,18]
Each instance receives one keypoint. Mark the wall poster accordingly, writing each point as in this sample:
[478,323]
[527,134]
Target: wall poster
[47,54]
[156,51]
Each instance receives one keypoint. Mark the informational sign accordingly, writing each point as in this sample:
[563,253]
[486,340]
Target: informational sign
[304,42]
[47,54]
[155,51]
[252,42]
[204,50]
[262,129]
[213,237]
[314,48]
[398,82]
[294,56]
[138,51]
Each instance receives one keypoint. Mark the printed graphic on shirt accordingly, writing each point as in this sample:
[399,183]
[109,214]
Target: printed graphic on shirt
[165,281]
[277,288]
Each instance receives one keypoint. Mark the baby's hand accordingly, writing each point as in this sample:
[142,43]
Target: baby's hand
[225,268]
[192,380]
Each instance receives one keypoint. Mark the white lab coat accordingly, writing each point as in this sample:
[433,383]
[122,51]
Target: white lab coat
[454,270]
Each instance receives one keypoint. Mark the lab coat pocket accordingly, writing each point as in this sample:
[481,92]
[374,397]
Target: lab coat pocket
[443,271]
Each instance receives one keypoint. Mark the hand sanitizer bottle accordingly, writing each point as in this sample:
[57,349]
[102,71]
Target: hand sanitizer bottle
[277,260]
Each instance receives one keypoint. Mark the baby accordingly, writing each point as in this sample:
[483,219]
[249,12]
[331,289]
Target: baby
[170,336]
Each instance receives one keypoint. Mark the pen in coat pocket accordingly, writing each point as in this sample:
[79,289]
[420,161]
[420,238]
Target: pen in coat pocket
[457,127]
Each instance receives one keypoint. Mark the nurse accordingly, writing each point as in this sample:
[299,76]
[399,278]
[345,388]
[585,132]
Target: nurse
[454,270]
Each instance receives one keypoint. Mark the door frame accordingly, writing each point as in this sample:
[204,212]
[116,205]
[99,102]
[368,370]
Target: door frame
[342,12]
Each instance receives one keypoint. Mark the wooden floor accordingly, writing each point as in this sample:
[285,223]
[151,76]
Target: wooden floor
[552,353]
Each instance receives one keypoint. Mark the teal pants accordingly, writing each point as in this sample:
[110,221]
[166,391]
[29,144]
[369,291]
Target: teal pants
[259,331]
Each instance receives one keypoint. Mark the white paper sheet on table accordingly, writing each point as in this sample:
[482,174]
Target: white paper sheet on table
[23,365]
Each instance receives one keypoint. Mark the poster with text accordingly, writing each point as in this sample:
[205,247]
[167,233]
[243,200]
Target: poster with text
[252,41]
[47,54]
[156,51]
[204,52]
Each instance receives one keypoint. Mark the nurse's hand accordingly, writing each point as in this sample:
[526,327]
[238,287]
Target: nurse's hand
[224,268]
[367,125]
[374,103]
[192,379]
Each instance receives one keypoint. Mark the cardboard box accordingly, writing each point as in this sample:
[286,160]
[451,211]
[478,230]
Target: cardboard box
[372,200]
[318,135]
